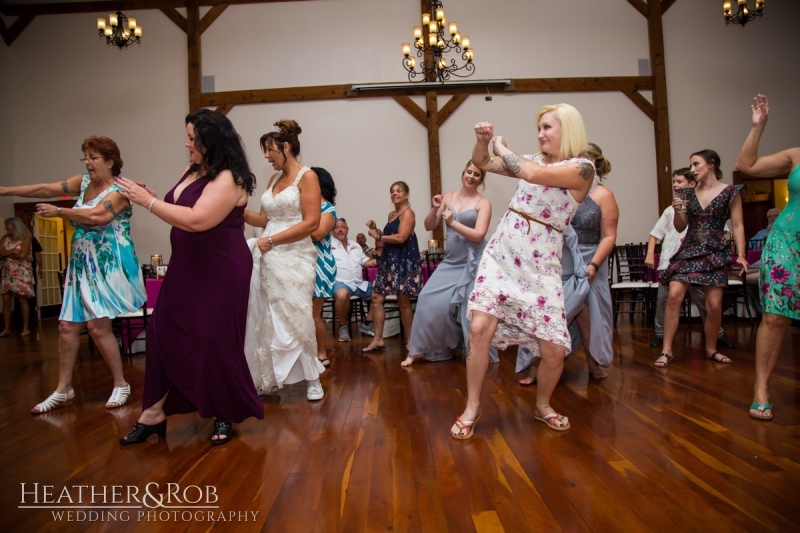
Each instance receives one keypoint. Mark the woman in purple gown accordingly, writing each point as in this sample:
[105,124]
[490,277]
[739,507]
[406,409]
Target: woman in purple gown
[195,339]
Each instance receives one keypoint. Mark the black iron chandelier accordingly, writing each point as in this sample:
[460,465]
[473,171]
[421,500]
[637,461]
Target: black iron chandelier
[120,30]
[433,45]
[743,15]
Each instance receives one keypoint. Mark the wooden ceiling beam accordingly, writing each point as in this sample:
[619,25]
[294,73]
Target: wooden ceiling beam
[18,10]
[175,17]
[666,4]
[451,105]
[409,105]
[212,15]
[640,5]
[10,34]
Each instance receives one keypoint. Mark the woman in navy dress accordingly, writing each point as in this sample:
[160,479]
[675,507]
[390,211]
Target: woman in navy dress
[400,266]
[195,339]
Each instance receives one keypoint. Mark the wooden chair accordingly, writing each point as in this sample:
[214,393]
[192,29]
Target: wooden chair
[356,314]
[125,325]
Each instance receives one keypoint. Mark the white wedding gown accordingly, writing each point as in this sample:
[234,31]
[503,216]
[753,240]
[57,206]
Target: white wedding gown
[280,342]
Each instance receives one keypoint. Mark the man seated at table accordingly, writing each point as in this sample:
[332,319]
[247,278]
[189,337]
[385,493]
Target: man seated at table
[350,262]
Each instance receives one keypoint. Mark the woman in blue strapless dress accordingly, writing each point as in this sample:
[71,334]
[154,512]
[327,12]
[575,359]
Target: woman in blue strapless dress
[440,320]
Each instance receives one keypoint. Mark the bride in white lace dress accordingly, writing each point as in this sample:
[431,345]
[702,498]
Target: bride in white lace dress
[280,342]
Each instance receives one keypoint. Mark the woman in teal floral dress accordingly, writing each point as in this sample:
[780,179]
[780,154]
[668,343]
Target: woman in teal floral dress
[779,275]
[103,277]
[326,264]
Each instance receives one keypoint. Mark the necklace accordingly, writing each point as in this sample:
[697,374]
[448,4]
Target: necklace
[397,213]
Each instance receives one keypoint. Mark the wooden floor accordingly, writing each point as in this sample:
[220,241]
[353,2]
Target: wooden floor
[649,449]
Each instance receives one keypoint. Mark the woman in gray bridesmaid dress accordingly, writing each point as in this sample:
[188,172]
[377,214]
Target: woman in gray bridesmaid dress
[440,320]
[584,263]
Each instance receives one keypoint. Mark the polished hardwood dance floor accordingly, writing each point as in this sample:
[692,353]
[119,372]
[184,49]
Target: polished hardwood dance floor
[649,449]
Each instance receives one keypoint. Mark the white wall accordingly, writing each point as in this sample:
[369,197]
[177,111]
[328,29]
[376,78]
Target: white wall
[59,83]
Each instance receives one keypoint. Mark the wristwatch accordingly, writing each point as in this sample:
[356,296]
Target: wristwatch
[58,211]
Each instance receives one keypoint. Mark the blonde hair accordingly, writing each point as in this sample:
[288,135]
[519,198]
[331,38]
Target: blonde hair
[573,132]
[483,173]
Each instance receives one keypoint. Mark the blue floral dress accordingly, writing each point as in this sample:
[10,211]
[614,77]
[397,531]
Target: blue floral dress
[326,263]
[779,276]
[400,266]
[103,276]
[705,254]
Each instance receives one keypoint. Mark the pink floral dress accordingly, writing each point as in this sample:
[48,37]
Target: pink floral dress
[17,274]
[519,278]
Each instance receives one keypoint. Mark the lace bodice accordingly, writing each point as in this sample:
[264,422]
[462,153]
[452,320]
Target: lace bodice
[552,205]
[283,209]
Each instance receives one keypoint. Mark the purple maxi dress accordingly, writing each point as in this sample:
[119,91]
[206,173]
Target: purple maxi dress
[195,338]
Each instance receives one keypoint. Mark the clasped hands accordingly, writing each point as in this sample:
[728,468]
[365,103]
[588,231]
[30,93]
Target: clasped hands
[484,131]
[373,229]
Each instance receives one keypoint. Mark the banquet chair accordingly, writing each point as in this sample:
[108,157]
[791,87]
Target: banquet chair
[356,314]
[631,288]
[432,260]
[126,324]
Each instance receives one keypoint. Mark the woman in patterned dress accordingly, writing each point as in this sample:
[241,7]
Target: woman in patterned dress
[704,255]
[399,267]
[326,264]
[16,261]
[779,275]
[103,277]
[518,297]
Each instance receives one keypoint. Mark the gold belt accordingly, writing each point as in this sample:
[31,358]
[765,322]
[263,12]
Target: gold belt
[530,219]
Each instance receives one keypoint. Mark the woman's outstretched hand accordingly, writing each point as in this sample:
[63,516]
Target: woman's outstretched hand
[138,193]
[760,109]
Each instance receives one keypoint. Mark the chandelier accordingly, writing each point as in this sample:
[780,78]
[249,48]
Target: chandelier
[116,32]
[743,15]
[432,45]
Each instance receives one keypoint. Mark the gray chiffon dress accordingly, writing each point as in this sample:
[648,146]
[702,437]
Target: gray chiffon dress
[580,244]
[440,320]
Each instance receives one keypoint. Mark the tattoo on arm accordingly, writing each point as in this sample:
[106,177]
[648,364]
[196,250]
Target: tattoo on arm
[110,207]
[484,157]
[512,162]
[64,186]
[586,171]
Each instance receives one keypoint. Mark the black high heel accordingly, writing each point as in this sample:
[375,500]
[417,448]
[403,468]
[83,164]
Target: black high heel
[221,429]
[141,432]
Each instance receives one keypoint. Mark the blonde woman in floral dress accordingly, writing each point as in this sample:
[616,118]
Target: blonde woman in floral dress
[518,297]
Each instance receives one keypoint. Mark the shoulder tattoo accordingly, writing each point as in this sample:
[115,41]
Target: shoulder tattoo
[586,170]
[512,162]
[110,207]
[64,186]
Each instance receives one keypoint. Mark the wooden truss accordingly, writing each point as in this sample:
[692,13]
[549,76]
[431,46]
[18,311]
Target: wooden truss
[431,117]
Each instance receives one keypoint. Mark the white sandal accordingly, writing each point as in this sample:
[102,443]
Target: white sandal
[54,401]
[119,397]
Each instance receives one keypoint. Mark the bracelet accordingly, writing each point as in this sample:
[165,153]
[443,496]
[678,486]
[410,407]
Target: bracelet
[269,239]
[150,207]
[595,265]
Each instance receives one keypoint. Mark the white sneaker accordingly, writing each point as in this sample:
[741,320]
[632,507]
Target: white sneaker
[367,329]
[314,391]
[344,335]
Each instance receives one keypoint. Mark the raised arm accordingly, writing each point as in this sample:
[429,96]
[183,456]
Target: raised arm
[218,199]
[101,214]
[70,186]
[438,203]
[481,158]
[766,166]
[577,176]
[477,233]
